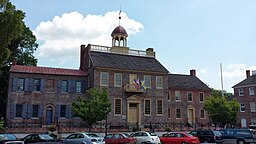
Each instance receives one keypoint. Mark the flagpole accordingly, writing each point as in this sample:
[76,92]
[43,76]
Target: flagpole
[222,94]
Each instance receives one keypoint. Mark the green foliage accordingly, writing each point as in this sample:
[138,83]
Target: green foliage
[167,129]
[220,110]
[11,23]
[16,41]
[94,108]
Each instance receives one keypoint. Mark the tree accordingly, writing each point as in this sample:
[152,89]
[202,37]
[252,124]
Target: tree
[11,23]
[94,108]
[220,110]
[16,41]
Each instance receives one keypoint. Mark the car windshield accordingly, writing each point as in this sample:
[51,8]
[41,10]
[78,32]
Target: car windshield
[152,134]
[92,135]
[126,135]
[45,136]
[7,137]
[217,133]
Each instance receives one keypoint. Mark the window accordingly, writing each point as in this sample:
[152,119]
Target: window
[178,113]
[35,111]
[118,106]
[253,121]
[190,96]
[19,108]
[49,85]
[147,110]
[104,79]
[169,113]
[36,85]
[20,84]
[177,96]
[242,107]
[159,82]
[168,96]
[159,107]
[147,80]
[253,106]
[118,80]
[251,90]
[78,87]
[63,111]
[201,97]
[202,113]
[240,92]
[64,86]
[132,78]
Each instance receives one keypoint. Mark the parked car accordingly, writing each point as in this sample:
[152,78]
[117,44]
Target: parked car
[238,136]
[9,139]
[40,138]
[179,138]
[143,137]
[83,138]
[208,136]
[119,138]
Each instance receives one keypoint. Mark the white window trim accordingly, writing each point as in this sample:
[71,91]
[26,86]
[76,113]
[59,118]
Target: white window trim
[159,87]
[179,96]
[145,107]
[239,92]
[115,80]
[176,113]
[101,73]
[201,113]
[191,96]
[241,107]
[200,97]
[251,92]
[149,81]
[253,109]
[157,107]
[120,108]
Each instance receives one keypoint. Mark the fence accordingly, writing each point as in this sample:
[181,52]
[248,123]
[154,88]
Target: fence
[76,126]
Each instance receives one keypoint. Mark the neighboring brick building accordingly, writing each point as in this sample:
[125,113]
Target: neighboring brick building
[42,95]
[244,92]
[186,95]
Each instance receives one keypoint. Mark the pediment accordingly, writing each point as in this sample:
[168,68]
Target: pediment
[134,97]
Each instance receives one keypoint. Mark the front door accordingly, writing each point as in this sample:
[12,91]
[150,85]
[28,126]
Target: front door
[133,113]
[49,115]
[191,116]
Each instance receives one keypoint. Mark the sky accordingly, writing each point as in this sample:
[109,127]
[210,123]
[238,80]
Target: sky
[214,37]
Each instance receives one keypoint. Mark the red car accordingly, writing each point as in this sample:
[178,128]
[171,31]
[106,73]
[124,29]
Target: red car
[179,138]
[117,138]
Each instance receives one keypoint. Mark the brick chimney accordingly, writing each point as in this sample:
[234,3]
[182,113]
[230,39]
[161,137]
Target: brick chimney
[248,73]
[193,72]
[150,52]
[14,61]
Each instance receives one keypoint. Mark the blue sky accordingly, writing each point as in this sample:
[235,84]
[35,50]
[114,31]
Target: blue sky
[185,34]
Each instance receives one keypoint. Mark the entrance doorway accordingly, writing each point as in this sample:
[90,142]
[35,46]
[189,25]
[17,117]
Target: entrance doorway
[49,115]
[133,113]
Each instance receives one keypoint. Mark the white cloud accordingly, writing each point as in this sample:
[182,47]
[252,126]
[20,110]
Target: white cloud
[62,36]
[234,70]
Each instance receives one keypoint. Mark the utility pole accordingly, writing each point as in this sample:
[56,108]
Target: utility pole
[222,94]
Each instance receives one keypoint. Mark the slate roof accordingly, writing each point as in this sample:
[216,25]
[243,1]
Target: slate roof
[186,82]
[251,80]
[46,70]
[126,62]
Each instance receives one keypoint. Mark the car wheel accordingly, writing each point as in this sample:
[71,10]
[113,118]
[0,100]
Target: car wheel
[183,143]
[240,142]
[206,141]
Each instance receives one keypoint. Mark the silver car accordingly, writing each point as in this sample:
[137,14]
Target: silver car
[144,137]
[83,138]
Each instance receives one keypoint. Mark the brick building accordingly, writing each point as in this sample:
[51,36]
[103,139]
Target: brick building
[186,95]
[244,92]
[140,88]
[42,95]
